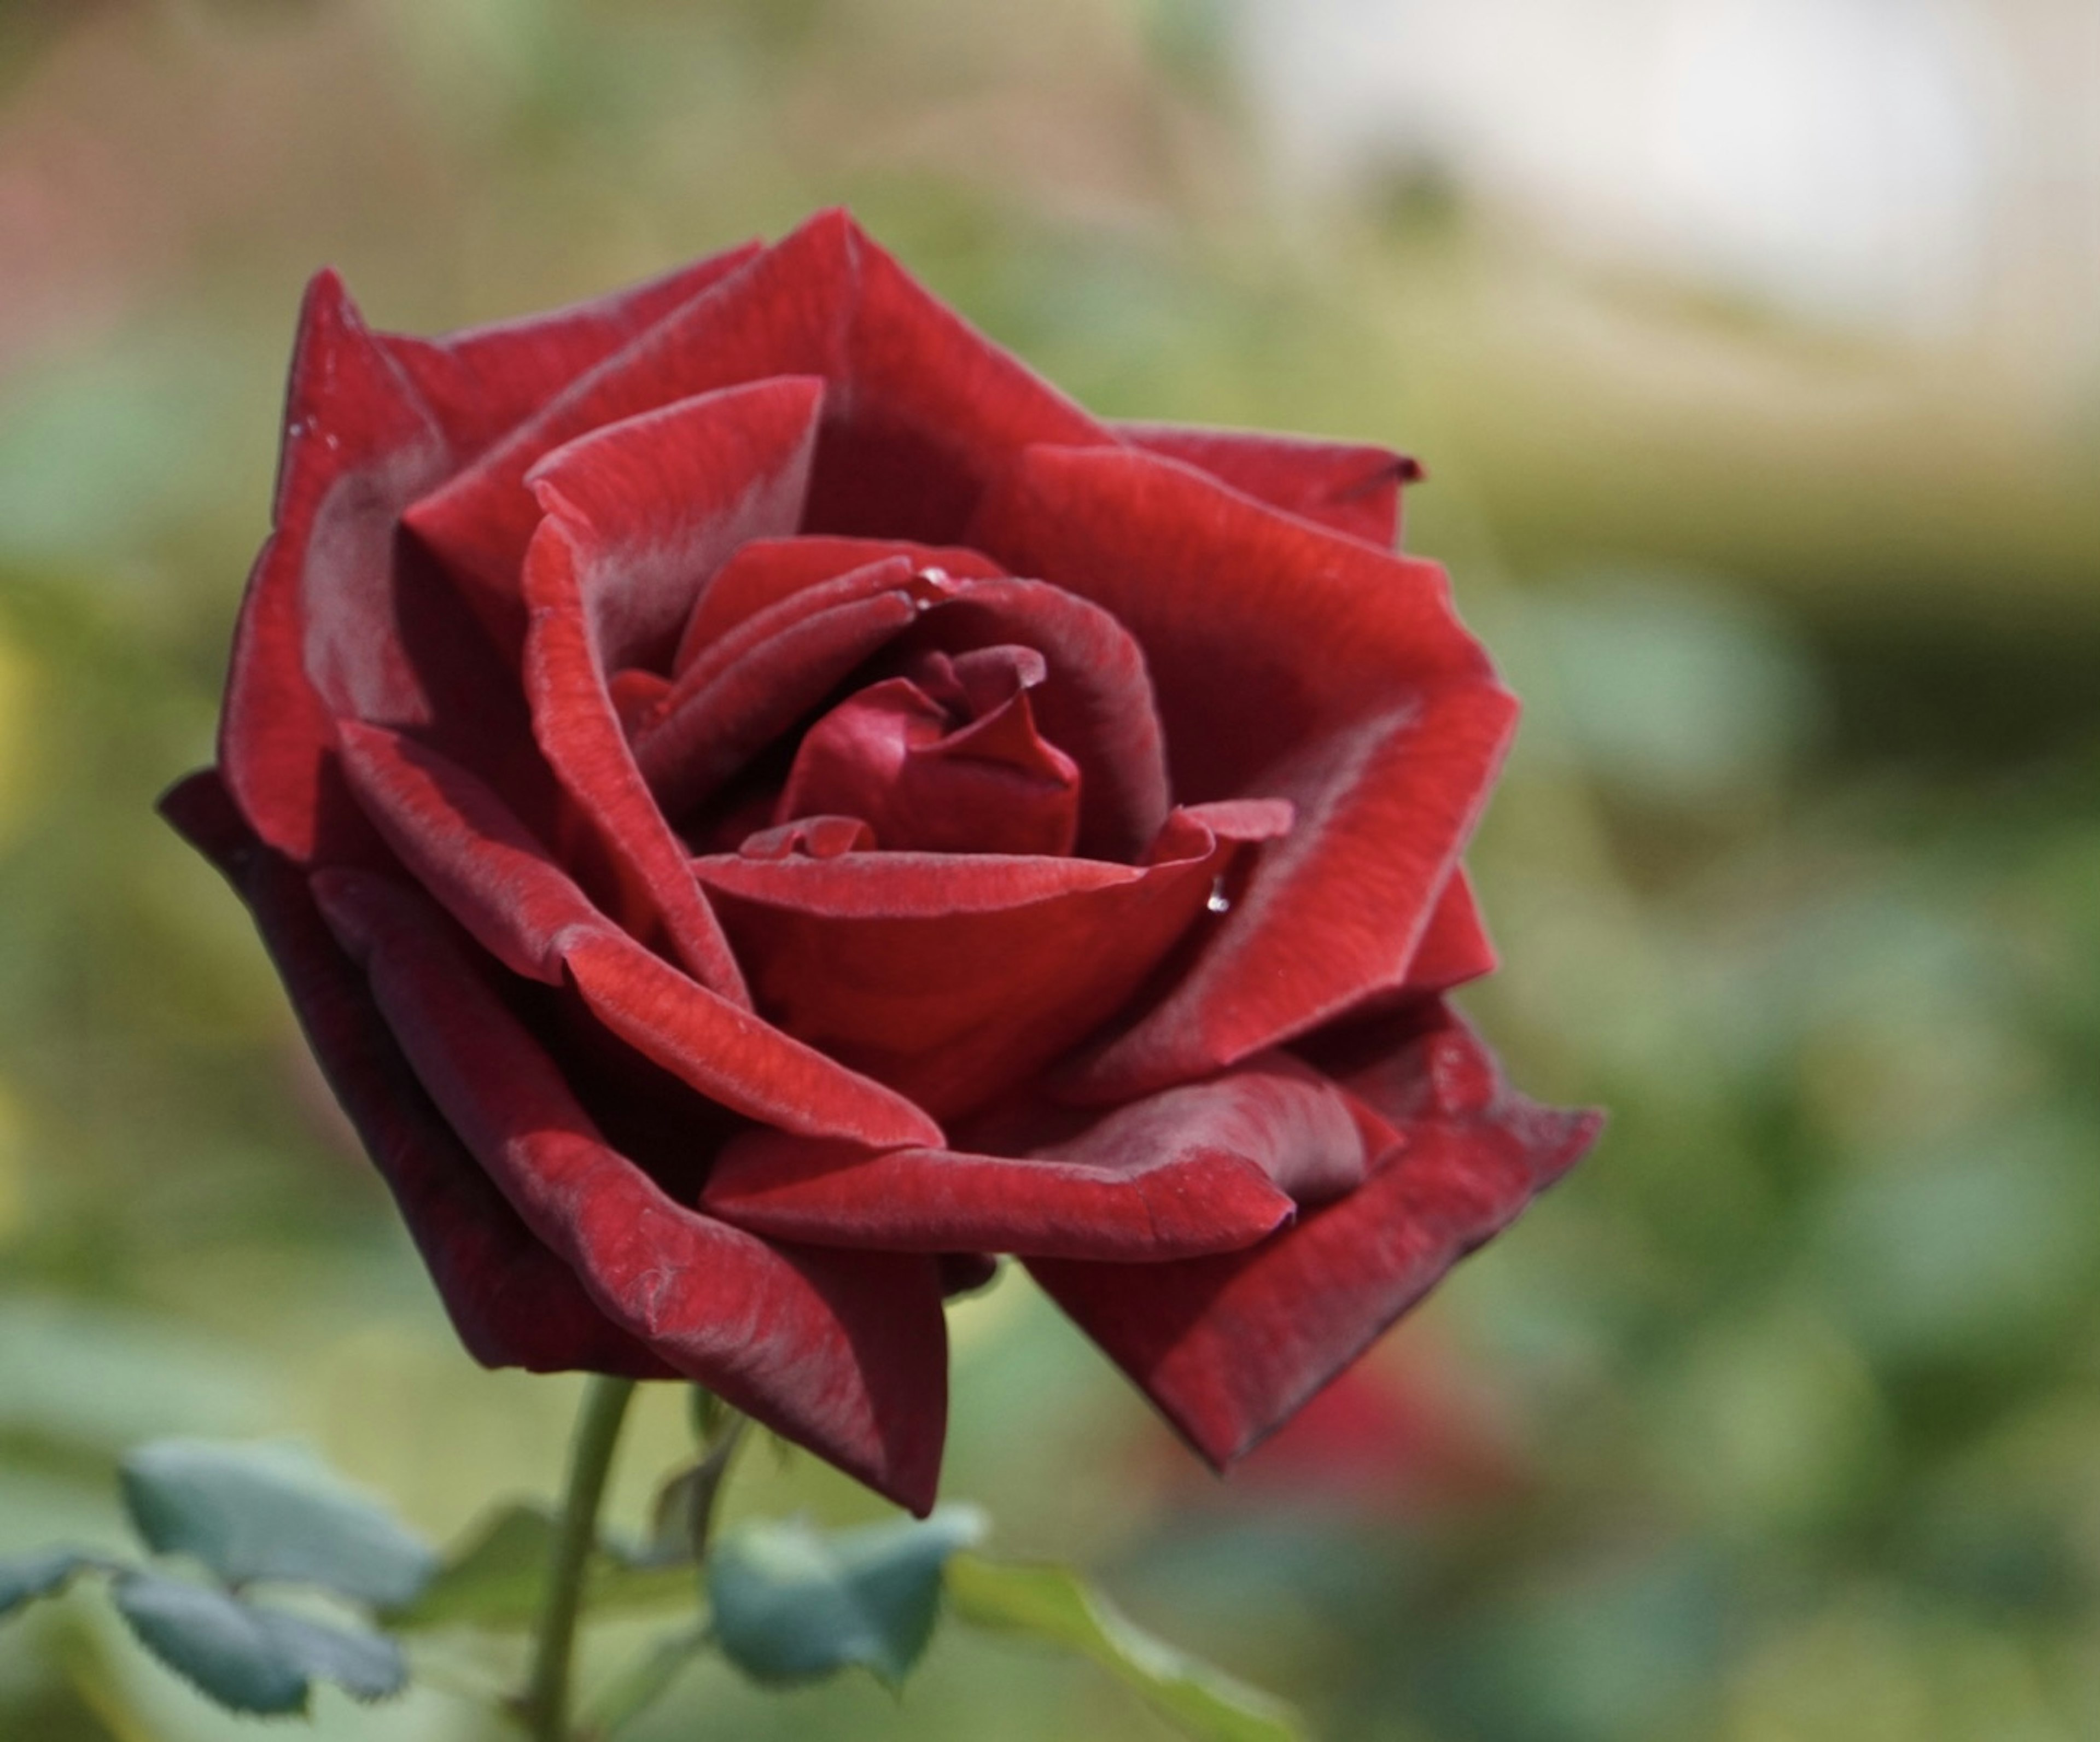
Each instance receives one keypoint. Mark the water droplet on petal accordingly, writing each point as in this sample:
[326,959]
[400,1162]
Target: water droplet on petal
[1220,901]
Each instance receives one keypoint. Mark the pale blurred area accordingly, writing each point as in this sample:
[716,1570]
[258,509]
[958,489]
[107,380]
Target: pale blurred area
[1753,347]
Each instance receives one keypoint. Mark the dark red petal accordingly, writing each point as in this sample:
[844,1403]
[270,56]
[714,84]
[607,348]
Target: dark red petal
[924,409]
[769,571]
[886,754]
[483,381]
[457,839]
[1454,946]
[1209,1167]
[1228,1346]
[782,314]
[670,495]
[935,410]
[844,1353]
[512,1302]
[1155,1207]
[952,976]
[581,735]
[1289,661]
[1350,486]
[1096,704]
[746,690]
[316,636]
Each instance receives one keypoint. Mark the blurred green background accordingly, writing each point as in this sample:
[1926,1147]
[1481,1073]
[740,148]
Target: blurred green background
[1762,416]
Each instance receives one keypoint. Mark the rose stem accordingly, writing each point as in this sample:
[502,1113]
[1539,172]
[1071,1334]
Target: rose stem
[546,1701]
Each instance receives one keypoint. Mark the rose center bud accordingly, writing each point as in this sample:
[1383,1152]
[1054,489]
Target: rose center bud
[944,759]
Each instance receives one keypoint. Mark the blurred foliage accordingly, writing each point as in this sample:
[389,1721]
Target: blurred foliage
[1778,1422]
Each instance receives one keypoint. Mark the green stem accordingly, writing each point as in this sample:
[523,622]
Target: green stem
[546,1701]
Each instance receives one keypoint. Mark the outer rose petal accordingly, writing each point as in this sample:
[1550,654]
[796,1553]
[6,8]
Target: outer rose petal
[316,636]
[512,1301]
[1351,487]
[1454,946]
[844,1353]
[1211,1167]
[1288,661]
[482,382]
[1228,1346]
[924,412]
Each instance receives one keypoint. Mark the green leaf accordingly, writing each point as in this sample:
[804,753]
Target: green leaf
[251,1659]
[791,1604]
[1053,1603]
[271,1512]
[25,1577]
[367,1665]
[499,1579]
[215,1641]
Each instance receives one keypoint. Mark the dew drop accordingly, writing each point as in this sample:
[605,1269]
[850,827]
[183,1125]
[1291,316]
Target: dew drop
[1220,901]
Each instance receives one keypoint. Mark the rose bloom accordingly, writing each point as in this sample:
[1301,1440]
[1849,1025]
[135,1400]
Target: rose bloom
[761,803]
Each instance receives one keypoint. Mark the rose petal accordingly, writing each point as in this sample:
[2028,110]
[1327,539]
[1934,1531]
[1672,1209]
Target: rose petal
[1349,486]
[671,494]
[952,977]
[579,733]
[1455,947]
[1228,1346]
[315,635]
[1287,660]
[458,841]
[512,1301]
[767,571]
[1096,704]
[924,409]
[746,690]
[1209,1167]
[936,411]
[481,381]
[844,1353]
[888,755]
[1179,1204]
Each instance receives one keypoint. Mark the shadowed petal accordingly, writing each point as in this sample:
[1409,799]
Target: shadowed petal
[744,691]
[512,1302]
[1228,1346]
[844,1353]
[316,636]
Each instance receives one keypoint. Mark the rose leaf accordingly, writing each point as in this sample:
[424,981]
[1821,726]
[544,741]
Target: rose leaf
[25,1577]
[250,1659]
[792,1604]
[271,1512]
[1055,1605]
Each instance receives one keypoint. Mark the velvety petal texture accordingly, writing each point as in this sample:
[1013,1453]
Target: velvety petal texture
[763,806]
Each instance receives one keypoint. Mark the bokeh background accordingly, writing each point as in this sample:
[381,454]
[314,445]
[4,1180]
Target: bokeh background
[1753,348]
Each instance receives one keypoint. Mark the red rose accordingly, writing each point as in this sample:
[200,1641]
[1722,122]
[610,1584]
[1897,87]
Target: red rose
[760,803]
